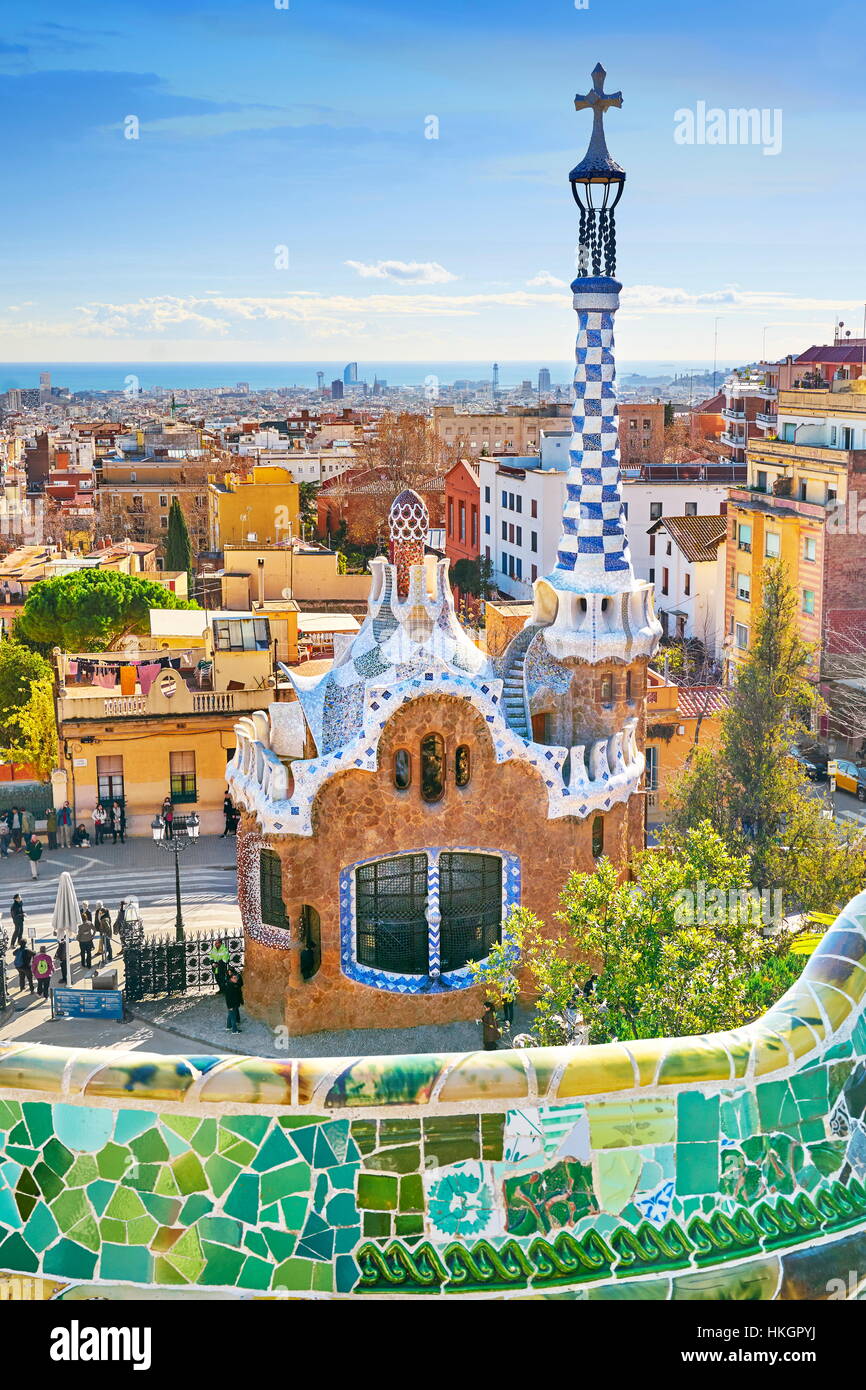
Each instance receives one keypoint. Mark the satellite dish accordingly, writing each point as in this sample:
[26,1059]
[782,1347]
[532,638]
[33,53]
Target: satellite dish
[286,593]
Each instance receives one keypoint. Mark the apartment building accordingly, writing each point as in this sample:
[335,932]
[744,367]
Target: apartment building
[462,513]
[641,433]
[264,506]
[803,504]
[689,575]
[517,432]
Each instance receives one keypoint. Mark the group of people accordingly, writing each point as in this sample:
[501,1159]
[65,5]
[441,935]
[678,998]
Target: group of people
[36,967]
[18,830]
[109,820]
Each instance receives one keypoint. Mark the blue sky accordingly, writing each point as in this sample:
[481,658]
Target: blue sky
[304,128]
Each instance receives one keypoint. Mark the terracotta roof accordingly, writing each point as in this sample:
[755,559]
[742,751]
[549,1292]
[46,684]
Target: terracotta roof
[698,537]
[693,700]
[841,352]
[714,405]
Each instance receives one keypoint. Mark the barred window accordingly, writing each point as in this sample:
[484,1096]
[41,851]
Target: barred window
[470,902]
[462,765]
[598,836]
[432,767]
[271,890]
[391,914]
[402,769]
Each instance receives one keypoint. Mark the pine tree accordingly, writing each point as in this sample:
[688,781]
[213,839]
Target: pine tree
[178,546]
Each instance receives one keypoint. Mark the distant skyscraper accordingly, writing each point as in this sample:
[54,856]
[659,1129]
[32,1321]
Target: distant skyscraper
[543,380]
[320,381]
[45,386]
[337,389]
[350,374]
[495,377]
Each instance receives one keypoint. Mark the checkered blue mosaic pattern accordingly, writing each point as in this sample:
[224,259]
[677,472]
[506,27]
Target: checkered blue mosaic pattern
[593,546]
[418,984]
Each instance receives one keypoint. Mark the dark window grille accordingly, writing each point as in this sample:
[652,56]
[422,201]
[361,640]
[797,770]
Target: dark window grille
[391,914]
[432,767]
[311,941]
[462,765]
[271,890]
[402,769]
[598,836]
[470,902]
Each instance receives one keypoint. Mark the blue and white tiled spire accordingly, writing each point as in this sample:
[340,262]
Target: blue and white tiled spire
[593,554]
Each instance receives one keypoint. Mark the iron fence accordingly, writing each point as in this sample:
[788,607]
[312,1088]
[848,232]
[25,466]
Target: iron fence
[157,966]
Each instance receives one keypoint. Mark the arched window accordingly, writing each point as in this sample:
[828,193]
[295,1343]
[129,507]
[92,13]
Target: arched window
[607,689]
[402,769]
[462,765]
[628,685]
[598,836]
[432,767]
[271,890]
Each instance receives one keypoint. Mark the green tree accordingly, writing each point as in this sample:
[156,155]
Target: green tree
[676,950]
[178,546]
[20,668]
[473,576]
[752,791]
[90,610]
[309,500]
[36,725]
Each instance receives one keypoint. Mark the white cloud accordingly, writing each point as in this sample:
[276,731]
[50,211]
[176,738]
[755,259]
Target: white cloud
[408,272]
[665,299]
[544,280]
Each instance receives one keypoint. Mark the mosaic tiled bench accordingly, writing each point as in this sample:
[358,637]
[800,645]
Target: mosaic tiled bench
[731,1165]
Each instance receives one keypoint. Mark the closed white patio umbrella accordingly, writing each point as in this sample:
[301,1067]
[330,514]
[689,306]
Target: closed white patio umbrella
[66,917]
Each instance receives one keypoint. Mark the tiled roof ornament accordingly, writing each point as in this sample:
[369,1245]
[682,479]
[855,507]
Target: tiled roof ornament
[408,525]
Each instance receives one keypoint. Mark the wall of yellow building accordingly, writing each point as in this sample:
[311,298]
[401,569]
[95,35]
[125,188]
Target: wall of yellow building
[800,573]
[674,752]
[266,504]
[146,771]
[310,576]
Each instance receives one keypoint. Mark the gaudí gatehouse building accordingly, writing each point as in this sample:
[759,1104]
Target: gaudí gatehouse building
[392,815]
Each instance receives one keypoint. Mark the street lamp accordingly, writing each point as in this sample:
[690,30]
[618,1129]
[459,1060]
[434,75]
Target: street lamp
[184,831]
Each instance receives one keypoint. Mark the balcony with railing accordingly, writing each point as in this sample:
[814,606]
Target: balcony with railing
[733,413]
[768,419]
[734,441]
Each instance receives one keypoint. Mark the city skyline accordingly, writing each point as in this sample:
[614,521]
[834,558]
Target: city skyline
[282,199]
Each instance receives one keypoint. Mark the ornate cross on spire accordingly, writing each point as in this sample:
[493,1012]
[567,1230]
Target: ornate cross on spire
[598,101]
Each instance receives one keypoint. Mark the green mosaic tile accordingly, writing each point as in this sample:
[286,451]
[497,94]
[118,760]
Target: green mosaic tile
[166,1183]
[697,1168]
[11,1214]
[70,1208]
[129,1264]
[377,1223]
[69,1260]
[451,1139]
[364,1133]
[301,1121]
[99,1194]
[275,1151]
[293,1274]
[411,1193]
[187,1254]
[16,1254]
[22,1154]
[49,1184]
[131,1123]
[10,1114]
[697,1116]
[377,1191]
[402,1160]
[112,1230]
[86,1233]
[112,1161]
[256,1243]
[347,1237]
[294,1211]
[343,1175]
[492,1136]
[194,1208]
[184,1125]
[20,1134]
[243,1200]
[140,1232]
[222,1264]
[283,1182]
[189,1174]
[221,1174]
[281,1244]
[41,1229]
[345,1274]
[255,1274]
[125,1205]
[142,1176]
[251,1127]
[323,1279]
[398,1131]
[164,1272]
[165,1210]
[58,1157]
[410,1225]
[220,1229]
[270,1214]
[150,1147]
[165,1238]
[39,1120]
[204,1140]
[83,1171]
[341,1210]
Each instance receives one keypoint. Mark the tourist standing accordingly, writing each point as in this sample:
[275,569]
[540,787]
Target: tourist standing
[85,938]
[218,955]
[61,959]
[490,1029]
[102,923]
[64,824]
[168,818]
[16,912]
[28,825]
[228,816]
[15,824]
[118,823]
[51,827]
[23,962]
[42,968]
[34,854]
[234,997]
[120,922]
[5,835]
[98,816]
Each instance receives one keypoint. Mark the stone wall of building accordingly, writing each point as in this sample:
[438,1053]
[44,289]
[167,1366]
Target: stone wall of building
[730,1166]
[360,815]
